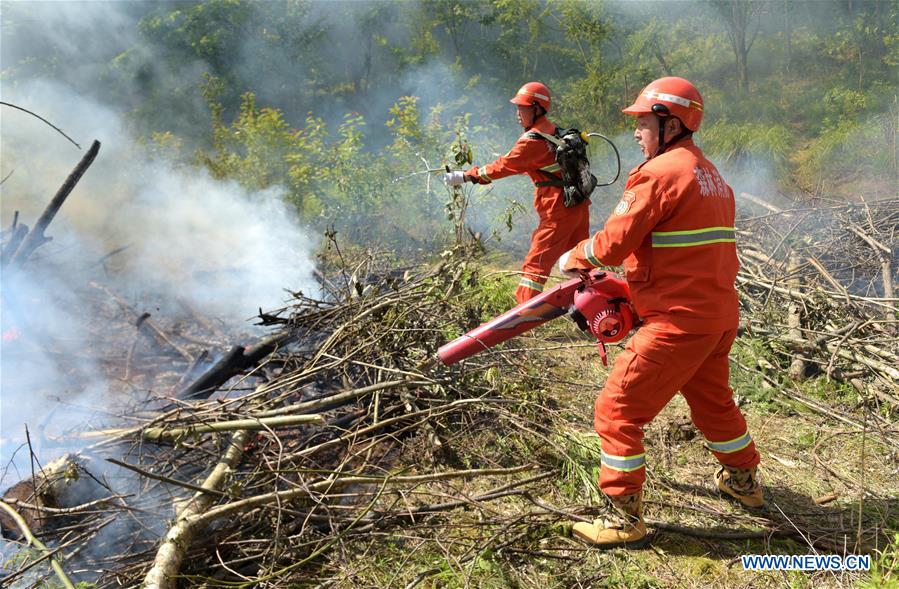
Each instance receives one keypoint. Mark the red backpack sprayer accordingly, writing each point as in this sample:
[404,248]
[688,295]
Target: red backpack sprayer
[598,301]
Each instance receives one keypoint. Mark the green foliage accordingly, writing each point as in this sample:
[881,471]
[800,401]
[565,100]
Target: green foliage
[825,389]
[749,384]
[275,94]
[496,295]
[405,122]
[333,178]
[488,296]
[746,143]
[884,572]
[580,466]
[851,151]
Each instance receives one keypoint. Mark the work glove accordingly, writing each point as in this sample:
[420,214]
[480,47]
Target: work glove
[454,178]
[563,261]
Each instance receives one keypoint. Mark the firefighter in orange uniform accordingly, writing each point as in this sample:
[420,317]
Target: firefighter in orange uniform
[560,227]
[674,232]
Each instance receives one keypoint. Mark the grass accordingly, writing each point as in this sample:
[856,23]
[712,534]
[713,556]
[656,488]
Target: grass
[805,456]
[885,568]
[580,466]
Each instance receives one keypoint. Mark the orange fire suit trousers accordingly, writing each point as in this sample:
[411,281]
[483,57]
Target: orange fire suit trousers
[654,366]
[550,240]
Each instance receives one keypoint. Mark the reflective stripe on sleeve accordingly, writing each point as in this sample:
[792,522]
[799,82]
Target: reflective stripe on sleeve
[588,253]
[551,168]
[483,174]
[693,237]
[531,284]
[624,463]
[730,446]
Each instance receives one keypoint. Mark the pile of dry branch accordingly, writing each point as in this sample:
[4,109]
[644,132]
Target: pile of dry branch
[817,286]
[284,460]
[260,485]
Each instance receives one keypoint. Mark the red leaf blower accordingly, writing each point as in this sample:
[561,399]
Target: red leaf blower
[598,301]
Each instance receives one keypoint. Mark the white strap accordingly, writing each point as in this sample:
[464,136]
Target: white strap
[550,138]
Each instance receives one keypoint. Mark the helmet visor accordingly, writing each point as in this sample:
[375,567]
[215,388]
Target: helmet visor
[637,109]
[522,99]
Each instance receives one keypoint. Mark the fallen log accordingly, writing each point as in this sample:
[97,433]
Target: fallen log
[58,484]
[235,361]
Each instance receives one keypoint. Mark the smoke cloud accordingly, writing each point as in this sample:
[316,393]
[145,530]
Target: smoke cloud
[180,236]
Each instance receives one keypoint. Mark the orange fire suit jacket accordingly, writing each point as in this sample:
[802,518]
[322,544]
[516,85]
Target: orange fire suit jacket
[674,231]
[528,156]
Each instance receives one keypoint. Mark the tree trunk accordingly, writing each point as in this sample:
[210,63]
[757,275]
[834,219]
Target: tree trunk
[788,34]
[737,17]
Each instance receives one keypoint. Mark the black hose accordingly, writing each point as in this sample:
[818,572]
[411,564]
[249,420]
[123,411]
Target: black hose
[617,158]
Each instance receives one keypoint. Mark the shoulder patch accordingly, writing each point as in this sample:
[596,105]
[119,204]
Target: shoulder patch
[624,205]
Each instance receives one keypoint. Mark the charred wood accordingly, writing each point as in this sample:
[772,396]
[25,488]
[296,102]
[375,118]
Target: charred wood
[36,237]
[234,362]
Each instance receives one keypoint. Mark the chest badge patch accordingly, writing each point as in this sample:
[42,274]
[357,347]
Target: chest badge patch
[625,204]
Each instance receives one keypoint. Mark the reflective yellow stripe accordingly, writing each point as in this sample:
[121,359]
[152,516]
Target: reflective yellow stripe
[528,283]
[692,231]
[693,237]
[483,174]
[730,446]
[588,253]
[551,168]
[706,242]
[624,463]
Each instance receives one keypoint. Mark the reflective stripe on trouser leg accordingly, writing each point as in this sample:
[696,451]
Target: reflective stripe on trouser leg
[654,365]
[643,380]
[624,463]
[527,289]
[730,446]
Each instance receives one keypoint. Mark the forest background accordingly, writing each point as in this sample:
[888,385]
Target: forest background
[329,102]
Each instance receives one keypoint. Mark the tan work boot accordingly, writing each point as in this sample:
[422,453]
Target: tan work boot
[623,529]
[742,484]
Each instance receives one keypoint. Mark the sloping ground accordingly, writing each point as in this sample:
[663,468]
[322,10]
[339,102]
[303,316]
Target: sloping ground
[831,487]
[408,474]
[805,457]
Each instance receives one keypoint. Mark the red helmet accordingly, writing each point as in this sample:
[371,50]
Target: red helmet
[670,96]
[531,93]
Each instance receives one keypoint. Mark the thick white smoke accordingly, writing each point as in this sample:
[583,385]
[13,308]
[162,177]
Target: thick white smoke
[187,237]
